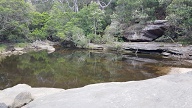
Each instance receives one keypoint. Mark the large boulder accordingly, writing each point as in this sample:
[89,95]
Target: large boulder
[22,99]
[43,45]
[21,94]
[8,95]
[143,33]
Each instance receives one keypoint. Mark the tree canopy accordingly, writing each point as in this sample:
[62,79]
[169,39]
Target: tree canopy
[83,21]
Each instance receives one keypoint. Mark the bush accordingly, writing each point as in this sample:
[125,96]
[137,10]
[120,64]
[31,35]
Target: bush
[179,15]
[78,37]
[14,15]
[2,48]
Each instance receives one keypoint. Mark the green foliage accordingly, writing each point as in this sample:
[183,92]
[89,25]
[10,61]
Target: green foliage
[38,19]
[78,37]
[55,25]
[22,45]
[14,17]
[131,11]
[70,25]
[180,17]
[91,19]
[112,32]
[2,47]
[149,8]
[21,21]
[125,9]
[37,26]
[42,6]
[38,34]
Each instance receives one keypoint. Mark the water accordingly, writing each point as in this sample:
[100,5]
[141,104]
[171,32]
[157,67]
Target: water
[76,68]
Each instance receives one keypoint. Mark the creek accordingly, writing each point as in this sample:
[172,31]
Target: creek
[66,68]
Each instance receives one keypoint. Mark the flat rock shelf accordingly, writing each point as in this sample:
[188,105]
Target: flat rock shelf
[165,49]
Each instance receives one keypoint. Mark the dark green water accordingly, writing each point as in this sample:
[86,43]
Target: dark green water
[76,68]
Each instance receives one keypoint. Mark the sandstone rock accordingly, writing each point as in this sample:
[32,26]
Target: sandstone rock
[166,54]
[41,45]
[41,92]
[170,91]
[175,70]
[8,95]
[22,99]
[35,46]
[50,49]
[3,105]
[19,49]
[160,21]
[174,50]
[95,47]
[149,32]
[22,93]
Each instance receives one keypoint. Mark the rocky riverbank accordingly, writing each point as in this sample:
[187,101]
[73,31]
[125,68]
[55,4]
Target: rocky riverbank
[169,91]
[35,46]
[170,50]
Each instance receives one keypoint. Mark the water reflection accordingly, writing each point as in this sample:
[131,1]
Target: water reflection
[74,68]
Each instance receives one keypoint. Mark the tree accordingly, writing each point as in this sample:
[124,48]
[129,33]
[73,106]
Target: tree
[91,20]
[125,10]
[180,15]
[37,26]
[60,15]
[41,5]
[103,4]
[149,8]
[88,20]
[14,20]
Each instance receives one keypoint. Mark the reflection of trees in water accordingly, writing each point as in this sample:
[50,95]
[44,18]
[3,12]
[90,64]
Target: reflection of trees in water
[69,68]
[4,80]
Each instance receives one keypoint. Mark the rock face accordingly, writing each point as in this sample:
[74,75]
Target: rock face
[150,32]
[170,91]
[171,50]
[166,49]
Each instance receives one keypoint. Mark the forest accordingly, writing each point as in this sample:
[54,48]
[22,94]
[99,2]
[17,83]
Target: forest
[90,21]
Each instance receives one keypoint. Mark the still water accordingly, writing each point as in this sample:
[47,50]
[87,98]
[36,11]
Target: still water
[76,68]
